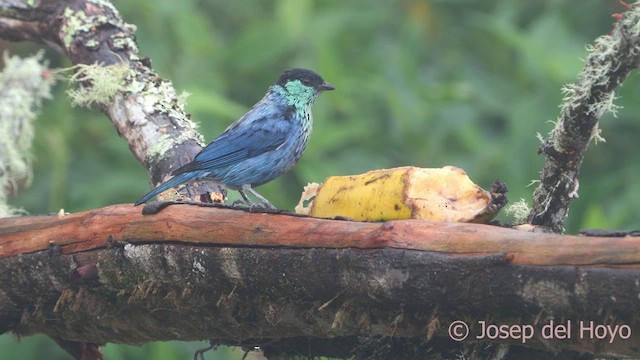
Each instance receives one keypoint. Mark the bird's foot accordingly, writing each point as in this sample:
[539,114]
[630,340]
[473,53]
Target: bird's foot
[250,205]
[265,203]
[239,203]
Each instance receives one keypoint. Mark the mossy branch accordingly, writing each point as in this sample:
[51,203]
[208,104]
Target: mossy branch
[113,77]
[610,60]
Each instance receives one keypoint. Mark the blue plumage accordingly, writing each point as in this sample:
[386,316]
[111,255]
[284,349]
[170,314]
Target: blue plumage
[260,146]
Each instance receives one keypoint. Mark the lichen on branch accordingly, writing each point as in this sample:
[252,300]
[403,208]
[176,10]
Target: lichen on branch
[98,84]
[611,58]
[24,82]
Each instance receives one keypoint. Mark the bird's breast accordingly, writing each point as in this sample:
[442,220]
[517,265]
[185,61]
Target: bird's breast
[301,124]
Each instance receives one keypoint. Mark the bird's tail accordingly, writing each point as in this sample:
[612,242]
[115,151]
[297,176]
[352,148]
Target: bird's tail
[174,181]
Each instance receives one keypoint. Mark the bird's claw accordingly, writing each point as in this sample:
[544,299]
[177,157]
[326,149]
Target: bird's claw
[265,203]
[252,205]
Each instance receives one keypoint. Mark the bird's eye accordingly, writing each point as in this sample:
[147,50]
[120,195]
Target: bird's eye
[306,82]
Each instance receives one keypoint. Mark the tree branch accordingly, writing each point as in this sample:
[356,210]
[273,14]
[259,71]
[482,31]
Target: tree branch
[317,286]
[611,59]
[146,110]
[188,224]
[281,281]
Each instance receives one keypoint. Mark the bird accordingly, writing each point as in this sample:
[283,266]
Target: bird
[260,146]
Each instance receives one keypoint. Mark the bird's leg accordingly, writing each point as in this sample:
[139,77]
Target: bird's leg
[248,188]
[245,198]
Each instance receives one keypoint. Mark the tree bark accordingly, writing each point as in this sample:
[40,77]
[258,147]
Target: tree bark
[332,287]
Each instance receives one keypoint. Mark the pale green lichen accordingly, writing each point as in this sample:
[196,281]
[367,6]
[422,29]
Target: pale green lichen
[160,97]
[122,41]
[135,86]
[100,84]
[162,144]
[165,143]
[150,100]
[23,85]
[519,211]
[76,22]
[606,56]
[92,44]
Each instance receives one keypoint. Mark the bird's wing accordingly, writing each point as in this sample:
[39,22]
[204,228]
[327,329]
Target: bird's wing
[234,146]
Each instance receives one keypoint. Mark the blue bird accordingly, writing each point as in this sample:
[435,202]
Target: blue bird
[263,144]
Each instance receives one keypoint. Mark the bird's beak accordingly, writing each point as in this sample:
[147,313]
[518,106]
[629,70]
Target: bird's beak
[326,86]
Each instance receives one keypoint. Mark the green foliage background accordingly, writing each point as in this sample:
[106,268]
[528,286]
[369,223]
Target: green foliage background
[424,83]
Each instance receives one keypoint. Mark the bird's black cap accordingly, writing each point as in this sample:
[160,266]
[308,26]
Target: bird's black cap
[307,77]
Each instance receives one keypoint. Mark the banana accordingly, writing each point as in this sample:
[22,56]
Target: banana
[446,194]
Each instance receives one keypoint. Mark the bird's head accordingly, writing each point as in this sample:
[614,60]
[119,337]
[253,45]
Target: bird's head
[302,86]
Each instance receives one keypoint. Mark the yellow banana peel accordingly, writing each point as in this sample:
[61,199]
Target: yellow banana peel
[445,194]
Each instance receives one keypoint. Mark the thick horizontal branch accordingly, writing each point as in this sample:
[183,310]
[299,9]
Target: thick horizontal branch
[195,225]
[188,272]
